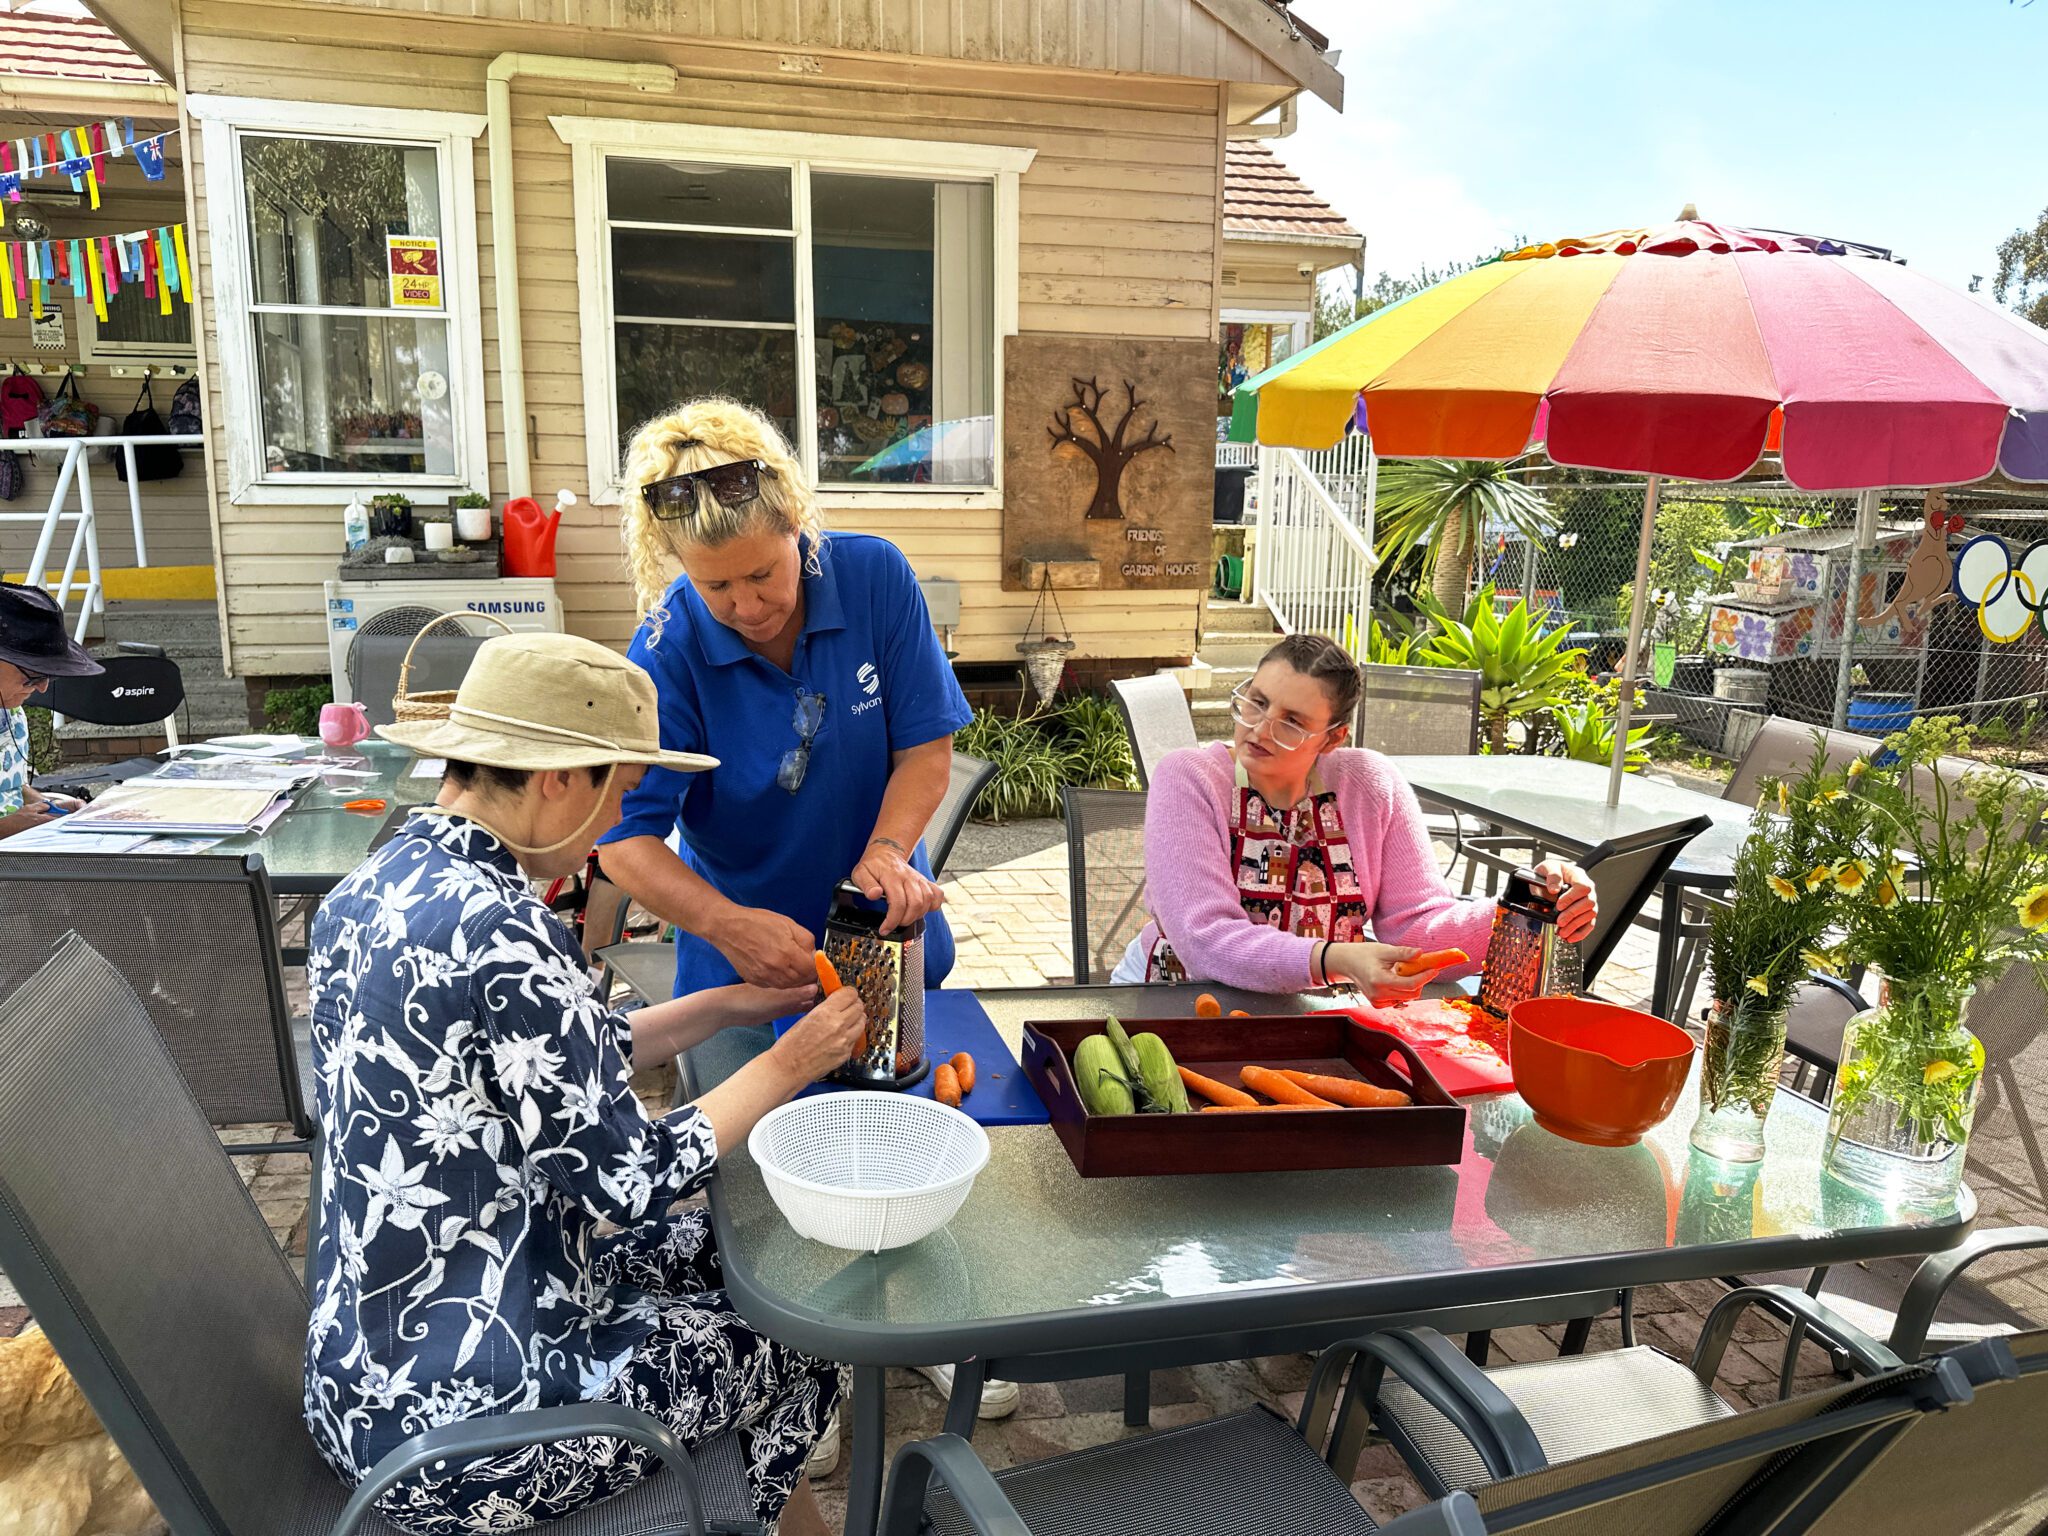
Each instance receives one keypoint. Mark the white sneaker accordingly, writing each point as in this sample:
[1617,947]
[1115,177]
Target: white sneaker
[999,1399]
[825,1454]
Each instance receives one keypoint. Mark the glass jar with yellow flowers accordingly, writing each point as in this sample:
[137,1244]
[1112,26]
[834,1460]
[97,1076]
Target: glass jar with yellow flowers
[1953,891]
[1765,941]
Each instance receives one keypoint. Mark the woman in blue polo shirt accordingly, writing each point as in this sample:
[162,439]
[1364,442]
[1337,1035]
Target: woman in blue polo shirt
[806,664]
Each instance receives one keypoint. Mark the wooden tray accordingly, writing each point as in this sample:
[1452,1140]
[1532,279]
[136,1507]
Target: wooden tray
[1429,1130]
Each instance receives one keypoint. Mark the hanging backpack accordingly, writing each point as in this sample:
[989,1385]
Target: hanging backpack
[153,461]
[185,408]
[68,414]
[21,402]
[12,476]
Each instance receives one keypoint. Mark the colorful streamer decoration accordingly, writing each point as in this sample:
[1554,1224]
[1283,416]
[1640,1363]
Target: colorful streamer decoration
[96,269]
[80,154]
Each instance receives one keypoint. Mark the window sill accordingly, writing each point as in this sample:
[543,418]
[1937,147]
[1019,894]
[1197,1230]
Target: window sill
[336,493]
[893,497]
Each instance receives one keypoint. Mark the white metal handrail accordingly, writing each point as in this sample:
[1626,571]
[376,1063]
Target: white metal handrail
[85,539]
[1315,559]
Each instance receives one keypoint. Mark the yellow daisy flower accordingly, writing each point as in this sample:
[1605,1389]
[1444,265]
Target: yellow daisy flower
[1826,795]
[1760,985]
[1886,893]
[2033,908]
[1858,768]
[1935,1071]
[1819,876]
[1782,888]
[1819,960]
[1784,799]
[1853,876]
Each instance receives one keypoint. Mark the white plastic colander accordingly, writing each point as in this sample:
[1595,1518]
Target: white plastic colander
[867,1170]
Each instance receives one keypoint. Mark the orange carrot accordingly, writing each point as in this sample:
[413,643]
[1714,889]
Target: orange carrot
[1240,1013]
[828,974]
[946,1085]
[1215,1092]
[1280,1089]
[1346,1090]
[1253,1109]
[1206,1007]
[1435,960]
[963,1069]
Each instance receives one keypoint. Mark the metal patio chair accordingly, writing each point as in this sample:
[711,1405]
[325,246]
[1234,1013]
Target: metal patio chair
[1423,712]
[969,775]
[1251,1474]
[151,1270]
[1156,714]
[1105,876]
[196,936]
[440,661]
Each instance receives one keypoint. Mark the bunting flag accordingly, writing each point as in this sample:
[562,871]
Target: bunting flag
[96,267]
[80,153]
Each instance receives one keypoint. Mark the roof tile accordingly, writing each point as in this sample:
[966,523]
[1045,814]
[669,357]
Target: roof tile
[1261,196]
[50,47]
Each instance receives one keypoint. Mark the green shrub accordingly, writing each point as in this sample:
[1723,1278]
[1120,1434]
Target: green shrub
[1095,747]
[42,742]
[296,710]
[1079,740]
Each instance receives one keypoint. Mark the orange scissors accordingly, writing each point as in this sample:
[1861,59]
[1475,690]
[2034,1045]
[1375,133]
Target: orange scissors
[365,807]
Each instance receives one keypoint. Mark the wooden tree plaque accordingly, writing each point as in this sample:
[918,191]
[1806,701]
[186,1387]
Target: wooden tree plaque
[1108,461]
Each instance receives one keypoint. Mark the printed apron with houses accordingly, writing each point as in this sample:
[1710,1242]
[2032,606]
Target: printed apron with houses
[1294,871]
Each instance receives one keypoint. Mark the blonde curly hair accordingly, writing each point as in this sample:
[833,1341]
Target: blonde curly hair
[697,435]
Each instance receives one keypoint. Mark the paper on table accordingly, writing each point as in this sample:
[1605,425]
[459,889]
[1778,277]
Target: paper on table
[241,746]
[51,838]
[178,845]
[427,768]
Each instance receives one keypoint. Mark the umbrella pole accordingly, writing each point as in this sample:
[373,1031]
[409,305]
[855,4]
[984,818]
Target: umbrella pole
[1637,615]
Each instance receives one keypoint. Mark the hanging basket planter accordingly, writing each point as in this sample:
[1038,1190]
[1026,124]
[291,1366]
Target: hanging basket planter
[1045,655]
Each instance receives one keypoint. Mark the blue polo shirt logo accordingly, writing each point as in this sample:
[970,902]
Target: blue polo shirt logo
[870,683]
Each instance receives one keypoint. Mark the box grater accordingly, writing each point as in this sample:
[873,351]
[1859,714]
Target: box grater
[887,969]
[1525,957]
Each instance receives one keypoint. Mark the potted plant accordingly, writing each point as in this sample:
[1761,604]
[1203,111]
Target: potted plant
[1765,941]
[472,517]
[1952,889]
[391,515]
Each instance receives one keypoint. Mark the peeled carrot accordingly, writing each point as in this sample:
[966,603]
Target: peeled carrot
[1215,1092]
[1253,1109]
[828,974]
[1206,1007]
[1434,960]
[1240,1013]
[1280,1089]
[1346,1090]
[963,1069]
[946,1085]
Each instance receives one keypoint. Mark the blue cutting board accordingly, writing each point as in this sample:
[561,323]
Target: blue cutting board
[954,1022]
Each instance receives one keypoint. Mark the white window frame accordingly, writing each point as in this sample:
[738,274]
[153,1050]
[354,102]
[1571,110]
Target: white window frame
[593,140]
[1298,321]
[452,135]
[93,348]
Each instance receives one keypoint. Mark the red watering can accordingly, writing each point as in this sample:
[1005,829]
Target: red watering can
[530,535]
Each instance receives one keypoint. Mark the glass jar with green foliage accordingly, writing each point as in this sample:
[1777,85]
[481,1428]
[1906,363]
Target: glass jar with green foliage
[1765,941]
[1950,891]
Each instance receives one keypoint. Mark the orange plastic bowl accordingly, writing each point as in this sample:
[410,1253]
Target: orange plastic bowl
[1593,1072]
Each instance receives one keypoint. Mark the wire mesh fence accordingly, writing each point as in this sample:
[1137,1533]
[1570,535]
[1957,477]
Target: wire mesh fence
[1753,588]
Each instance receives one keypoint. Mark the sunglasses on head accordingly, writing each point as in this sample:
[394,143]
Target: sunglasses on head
[730,485]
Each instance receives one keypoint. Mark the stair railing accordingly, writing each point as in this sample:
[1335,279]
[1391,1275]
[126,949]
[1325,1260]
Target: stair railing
[1315,560]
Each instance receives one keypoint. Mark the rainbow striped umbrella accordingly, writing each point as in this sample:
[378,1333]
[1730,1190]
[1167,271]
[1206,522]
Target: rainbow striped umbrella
[1687,351]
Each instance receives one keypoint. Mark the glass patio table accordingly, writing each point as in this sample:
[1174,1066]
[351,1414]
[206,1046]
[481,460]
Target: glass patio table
[1562,804]
[1044,1275]
[308,849]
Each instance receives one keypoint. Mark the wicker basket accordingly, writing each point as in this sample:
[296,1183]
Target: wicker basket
[433,704]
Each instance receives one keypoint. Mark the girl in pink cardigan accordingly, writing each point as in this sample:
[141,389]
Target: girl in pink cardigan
[1267,861]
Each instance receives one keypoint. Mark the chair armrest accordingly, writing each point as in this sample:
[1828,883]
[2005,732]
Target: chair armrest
[1868,1356]
[1435,1372]
[1936,1274]
[980,1497]
[468,1438]
[1457,1515]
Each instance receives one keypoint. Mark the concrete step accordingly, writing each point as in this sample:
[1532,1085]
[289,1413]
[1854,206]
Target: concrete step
[1228,648]
[1221,681]
[1212,719]
[184,630]
[1223,617]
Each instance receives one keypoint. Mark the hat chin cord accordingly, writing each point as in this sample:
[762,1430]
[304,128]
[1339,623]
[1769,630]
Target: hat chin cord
[527,851]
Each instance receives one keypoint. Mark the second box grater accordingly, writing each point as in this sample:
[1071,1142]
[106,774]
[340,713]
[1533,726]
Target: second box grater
[1525,957]
[887,969]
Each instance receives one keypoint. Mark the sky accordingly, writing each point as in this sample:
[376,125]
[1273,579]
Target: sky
[1469,123]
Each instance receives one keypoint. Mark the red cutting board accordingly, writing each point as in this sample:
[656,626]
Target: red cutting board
[1441,1035]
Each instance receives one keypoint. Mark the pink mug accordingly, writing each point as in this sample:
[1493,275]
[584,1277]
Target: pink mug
[343,725]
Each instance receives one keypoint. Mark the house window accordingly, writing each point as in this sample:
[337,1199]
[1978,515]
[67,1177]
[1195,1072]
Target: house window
[135,327]
[343,244]
[855,291]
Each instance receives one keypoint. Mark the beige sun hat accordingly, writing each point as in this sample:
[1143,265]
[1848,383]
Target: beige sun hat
[548,701]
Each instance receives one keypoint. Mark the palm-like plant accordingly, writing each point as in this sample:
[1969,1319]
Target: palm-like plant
[1445,507]
[1518,661]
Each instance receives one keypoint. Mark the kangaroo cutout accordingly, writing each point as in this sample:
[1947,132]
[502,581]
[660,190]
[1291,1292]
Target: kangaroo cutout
[1926,586]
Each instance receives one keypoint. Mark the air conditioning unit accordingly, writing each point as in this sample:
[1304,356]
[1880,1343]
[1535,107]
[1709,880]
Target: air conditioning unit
[357,608]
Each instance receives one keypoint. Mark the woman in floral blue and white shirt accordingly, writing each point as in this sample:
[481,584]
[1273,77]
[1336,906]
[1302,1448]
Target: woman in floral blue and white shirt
[33,649]
[494,1228]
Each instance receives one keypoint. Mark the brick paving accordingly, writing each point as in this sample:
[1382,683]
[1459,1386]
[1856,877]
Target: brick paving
[1010,923]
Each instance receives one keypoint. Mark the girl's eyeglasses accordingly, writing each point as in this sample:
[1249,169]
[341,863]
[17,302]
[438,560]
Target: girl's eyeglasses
[796,762]
[730,485]
[1252,713]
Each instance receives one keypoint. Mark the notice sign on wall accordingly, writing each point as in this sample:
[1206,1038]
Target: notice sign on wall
[415,271]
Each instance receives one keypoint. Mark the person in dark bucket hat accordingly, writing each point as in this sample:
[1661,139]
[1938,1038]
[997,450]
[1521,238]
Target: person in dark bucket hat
[33,649]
